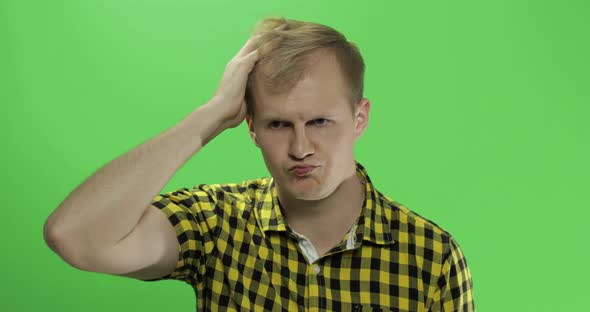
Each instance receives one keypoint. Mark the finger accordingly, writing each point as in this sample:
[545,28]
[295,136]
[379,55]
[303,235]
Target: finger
[251,58]
[269,46]
[249,46]
[281,27]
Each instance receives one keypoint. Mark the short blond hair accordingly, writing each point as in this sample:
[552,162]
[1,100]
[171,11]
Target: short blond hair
[288,60]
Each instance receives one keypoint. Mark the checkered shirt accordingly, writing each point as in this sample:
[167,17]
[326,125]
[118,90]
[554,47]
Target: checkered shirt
[238,253]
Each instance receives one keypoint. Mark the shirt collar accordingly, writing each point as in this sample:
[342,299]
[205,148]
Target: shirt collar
[372,224]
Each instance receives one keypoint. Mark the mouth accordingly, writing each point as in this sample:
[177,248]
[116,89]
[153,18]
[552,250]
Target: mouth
[302,170]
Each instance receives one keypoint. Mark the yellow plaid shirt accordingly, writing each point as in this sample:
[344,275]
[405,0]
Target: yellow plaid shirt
[238,253]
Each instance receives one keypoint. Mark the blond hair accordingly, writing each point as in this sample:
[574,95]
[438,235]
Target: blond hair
[287,61]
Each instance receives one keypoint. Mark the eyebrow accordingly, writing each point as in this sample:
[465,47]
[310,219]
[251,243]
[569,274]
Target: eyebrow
[317,116]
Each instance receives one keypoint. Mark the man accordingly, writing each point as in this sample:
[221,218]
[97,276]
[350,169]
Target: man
[316,235]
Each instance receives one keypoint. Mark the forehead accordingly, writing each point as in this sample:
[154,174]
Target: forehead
[321,90]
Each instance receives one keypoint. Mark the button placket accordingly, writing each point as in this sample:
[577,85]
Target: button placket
[316,268]
[313,288]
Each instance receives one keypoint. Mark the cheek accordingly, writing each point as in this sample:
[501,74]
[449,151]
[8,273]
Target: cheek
[270,148]
[341,144]
[336,137]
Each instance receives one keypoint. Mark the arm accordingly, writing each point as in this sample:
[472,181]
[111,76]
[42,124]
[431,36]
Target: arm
[104,225]
[105,208]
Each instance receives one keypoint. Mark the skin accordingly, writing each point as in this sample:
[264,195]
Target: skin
[313,124]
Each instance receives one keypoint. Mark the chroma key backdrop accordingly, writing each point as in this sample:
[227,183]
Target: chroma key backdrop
[478,122]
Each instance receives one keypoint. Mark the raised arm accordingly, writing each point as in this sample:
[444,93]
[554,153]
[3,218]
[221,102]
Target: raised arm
[107,224]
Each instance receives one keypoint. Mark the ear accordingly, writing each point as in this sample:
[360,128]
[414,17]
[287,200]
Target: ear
[251,130]
[361,117]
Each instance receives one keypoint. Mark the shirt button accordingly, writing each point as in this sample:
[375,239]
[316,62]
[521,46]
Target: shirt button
[316,269]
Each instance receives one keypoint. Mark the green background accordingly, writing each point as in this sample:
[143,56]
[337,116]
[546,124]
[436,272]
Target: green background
[479,122]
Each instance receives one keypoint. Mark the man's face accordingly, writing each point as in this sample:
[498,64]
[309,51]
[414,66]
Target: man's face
[310,125]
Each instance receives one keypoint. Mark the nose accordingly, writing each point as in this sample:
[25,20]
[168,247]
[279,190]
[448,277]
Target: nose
[300,145]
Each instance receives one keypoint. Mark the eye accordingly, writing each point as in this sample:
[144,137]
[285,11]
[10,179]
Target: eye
[319,121]
[273,124]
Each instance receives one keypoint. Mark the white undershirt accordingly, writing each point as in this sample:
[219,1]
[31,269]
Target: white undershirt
[309,250]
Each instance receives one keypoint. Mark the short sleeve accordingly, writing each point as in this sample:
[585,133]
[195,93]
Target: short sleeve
[455,287]
[187,211]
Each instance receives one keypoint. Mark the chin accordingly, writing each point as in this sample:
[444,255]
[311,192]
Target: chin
[309,192]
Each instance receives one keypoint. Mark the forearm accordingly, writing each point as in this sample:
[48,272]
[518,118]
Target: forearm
[108,205]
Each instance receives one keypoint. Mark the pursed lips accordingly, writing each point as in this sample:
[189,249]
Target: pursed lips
[301,167]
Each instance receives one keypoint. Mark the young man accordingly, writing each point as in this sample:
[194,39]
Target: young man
[316,235]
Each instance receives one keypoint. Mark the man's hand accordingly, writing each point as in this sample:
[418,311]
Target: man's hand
[229,97]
